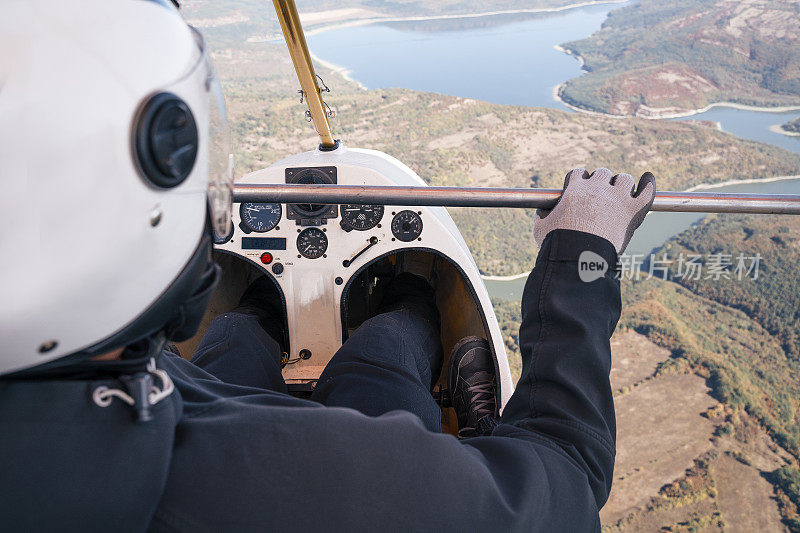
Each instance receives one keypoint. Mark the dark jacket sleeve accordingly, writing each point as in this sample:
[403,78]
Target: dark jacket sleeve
[564,395]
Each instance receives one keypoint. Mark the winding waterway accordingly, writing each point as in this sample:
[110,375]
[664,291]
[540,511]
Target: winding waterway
[512,59]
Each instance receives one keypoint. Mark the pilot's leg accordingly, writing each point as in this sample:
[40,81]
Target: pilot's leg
[392,360]
[240,347]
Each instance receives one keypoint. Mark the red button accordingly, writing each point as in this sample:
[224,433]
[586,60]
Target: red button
[266,258]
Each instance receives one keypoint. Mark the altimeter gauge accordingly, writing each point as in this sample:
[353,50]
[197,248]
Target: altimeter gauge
[312,243]
[361,217]
[260,217]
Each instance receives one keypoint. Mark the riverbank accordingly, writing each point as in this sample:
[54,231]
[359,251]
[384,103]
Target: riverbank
[352,23]
[659,113]
[707,186]
[338,69]
[569,52]
[505,278]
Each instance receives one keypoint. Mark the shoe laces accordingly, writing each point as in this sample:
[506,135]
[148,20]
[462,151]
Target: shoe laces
[482,403]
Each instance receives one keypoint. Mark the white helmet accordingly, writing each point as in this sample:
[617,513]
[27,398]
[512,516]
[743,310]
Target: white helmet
[115,166]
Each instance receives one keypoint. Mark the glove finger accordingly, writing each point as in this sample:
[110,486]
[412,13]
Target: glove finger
[646,190]
[571,177]
[574,175]
[601,174]
[624,183]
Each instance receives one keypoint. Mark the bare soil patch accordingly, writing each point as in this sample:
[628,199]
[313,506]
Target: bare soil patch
[634,358]
[745,498]
[660,431]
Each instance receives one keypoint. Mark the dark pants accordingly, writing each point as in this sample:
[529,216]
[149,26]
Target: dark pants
[390,362]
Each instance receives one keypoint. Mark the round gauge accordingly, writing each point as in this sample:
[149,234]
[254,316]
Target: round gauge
[406,226]
[311,176]
[260,217]
[362,217]
[312,243]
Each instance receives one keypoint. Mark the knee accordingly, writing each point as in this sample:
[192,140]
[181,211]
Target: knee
[401,340]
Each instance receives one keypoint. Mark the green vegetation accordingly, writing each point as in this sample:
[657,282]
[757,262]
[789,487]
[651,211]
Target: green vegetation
[793,126]
[676,55]
[697,485]
[745,366]
[787,480]
[773,299]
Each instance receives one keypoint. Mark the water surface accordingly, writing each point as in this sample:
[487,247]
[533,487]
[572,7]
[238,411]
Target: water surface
[505,59]
[753,125]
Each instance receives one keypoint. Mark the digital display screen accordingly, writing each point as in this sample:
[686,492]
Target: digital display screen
[263,243]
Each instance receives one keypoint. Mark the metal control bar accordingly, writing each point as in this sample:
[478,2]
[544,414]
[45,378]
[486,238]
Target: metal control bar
[697,202]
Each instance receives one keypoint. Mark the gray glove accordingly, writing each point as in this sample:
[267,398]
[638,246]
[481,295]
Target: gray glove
[600,204]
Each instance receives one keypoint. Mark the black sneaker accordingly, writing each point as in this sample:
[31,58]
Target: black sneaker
[472,387]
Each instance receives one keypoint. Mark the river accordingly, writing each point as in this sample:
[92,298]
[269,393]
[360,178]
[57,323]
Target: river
[505,59]
[498,59]
[512,59]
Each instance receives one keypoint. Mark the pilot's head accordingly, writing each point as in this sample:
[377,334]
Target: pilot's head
[116,168]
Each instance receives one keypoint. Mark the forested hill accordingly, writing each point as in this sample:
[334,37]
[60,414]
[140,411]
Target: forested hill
[773,298]
[738,322]
[666,56]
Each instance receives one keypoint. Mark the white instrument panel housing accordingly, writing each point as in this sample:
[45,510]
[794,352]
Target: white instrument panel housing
[313,298]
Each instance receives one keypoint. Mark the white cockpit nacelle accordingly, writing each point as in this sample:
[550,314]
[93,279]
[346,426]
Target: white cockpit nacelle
[328,260]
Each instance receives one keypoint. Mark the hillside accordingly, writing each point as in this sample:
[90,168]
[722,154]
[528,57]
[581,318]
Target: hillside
[721,452]
[773,299]
[668,56]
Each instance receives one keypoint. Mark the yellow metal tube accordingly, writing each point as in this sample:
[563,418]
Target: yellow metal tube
[298,49]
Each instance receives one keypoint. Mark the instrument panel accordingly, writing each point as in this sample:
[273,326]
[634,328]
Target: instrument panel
[267,227]
[312,242]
